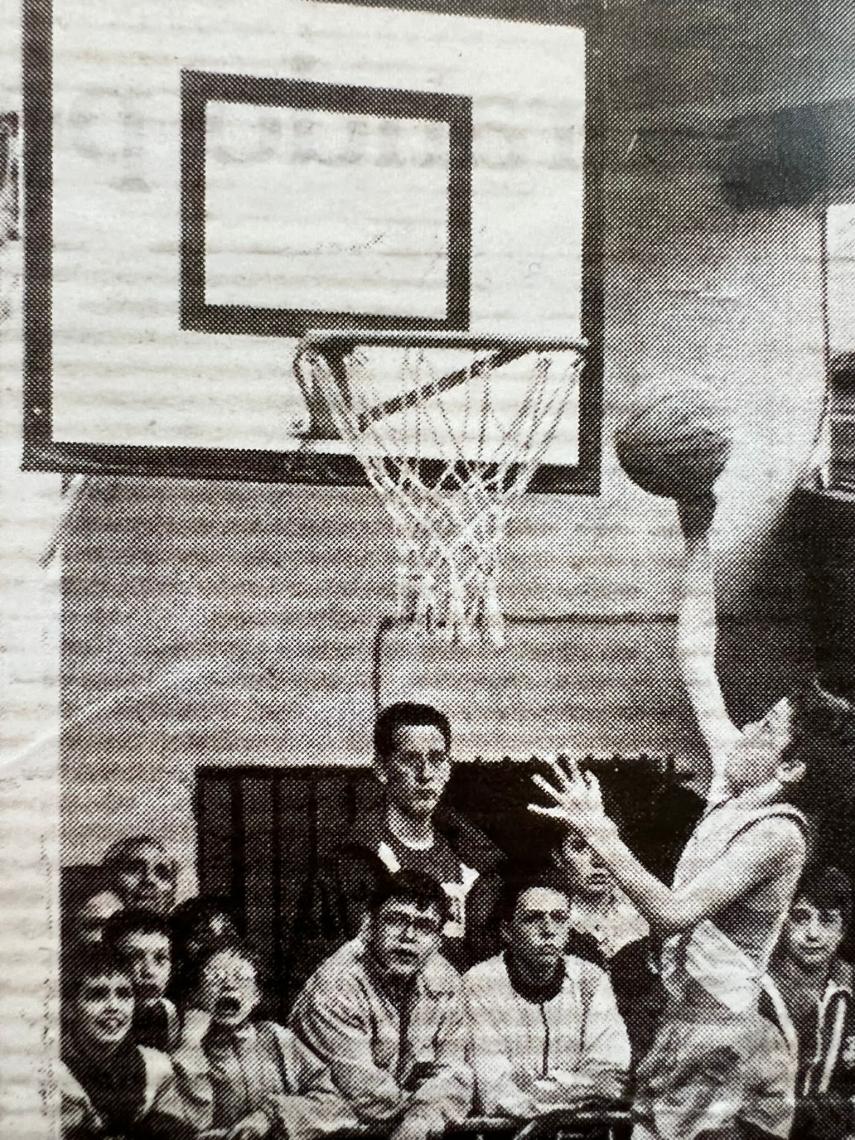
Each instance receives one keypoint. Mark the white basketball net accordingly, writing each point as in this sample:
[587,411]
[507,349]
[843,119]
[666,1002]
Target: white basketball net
[450,515]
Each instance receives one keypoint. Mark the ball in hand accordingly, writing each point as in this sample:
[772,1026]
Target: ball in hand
[675,442]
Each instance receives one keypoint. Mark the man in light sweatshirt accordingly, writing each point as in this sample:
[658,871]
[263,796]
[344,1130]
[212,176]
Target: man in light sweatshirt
[546,1032]
[385,1012]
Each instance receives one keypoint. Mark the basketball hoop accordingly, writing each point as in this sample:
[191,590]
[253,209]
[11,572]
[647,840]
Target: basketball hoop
[449,476]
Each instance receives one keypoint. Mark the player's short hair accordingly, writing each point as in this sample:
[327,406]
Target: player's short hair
[822,737]
[413,887]
[516,885]
[817,713]
[826,888]
[125,922]
[93,961]
[401,715]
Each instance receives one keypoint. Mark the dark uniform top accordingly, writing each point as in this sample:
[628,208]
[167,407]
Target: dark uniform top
[461,859]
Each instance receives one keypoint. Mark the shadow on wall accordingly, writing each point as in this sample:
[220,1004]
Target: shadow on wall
[769,650]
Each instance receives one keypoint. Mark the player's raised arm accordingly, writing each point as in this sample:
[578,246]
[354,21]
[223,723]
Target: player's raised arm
[675,443]
[697,631]
[773,845]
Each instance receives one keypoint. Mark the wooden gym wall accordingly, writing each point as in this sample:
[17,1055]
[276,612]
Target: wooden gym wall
[231,624]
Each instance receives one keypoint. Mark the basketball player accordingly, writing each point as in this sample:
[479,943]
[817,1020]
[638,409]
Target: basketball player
[716,1067]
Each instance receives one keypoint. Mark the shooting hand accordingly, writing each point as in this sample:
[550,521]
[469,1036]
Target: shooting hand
[696,516]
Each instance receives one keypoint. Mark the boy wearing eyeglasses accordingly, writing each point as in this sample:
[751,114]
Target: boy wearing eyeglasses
[249,1079]
[386,1013]
[411,830]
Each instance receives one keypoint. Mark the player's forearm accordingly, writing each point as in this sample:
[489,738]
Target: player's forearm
[666,911]
[696,619]
[696,645]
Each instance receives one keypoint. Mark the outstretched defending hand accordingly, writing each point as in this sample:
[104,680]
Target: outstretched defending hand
[575,795]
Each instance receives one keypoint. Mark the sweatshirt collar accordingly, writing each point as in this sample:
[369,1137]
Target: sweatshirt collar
[469,844]
[538,992]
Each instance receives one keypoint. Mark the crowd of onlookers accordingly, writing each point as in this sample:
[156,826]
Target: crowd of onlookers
[438,984]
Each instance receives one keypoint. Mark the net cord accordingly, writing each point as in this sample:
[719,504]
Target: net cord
[449,515]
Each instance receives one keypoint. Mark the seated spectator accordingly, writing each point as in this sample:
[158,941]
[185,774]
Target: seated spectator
[598,907]
[253,1079]
[386,1013]
[86,902]
[197,925]
[140,939]
[606,927]
[546,1032]
[410,831]
[808,994]
[142,873]
[110,1086]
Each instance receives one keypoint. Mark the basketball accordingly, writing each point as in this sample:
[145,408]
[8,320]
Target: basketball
[675,443]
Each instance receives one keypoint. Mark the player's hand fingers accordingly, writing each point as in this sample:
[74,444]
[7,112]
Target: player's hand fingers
[563,768]
[555,794]
[696,515]
[552,812]
[594,789]
[570,766]
[550,760]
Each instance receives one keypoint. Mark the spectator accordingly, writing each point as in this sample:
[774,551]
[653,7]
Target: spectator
[410,832]
[598,907]
[142,873]
[197,925]
[546,1032]
[109,1086]
[253,1079]
[141,940]
[606,928]
[86,902]
[808,994]
[386,1013]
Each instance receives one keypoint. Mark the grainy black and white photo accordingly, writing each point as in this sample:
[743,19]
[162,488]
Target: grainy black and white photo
[427,635]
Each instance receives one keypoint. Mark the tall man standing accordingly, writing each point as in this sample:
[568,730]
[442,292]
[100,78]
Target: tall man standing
[409,831]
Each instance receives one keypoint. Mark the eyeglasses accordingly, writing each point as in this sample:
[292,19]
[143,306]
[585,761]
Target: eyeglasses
[400,923]
[434,761]
[236,977]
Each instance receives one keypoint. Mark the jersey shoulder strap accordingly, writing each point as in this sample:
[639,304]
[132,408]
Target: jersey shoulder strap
[770,811]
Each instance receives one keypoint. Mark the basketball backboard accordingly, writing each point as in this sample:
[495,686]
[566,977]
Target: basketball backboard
[197,198]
